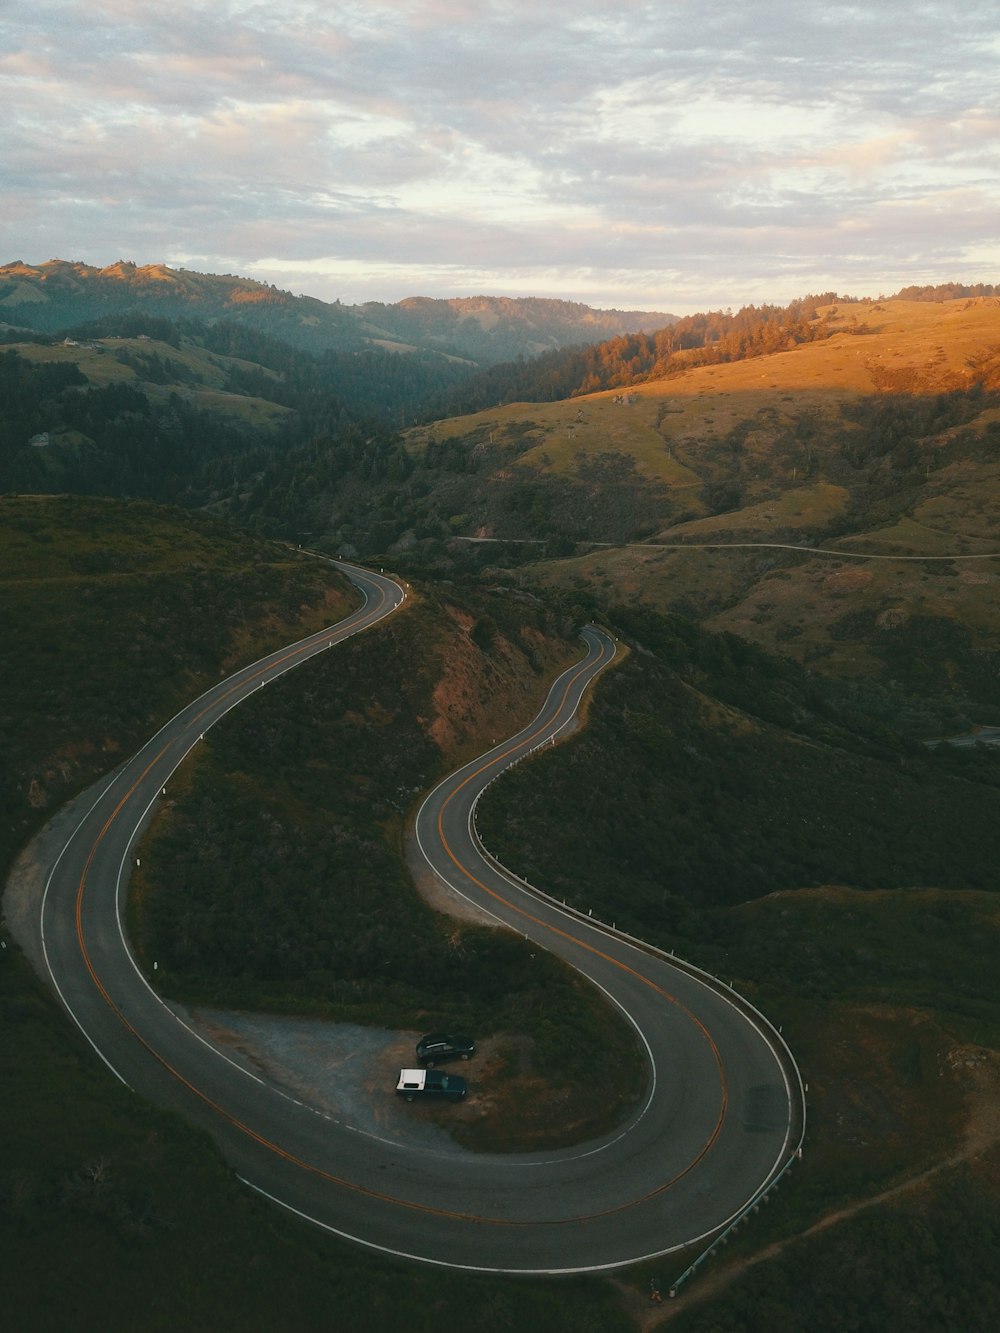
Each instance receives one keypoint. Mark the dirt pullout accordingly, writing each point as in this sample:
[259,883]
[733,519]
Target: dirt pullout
[343,1071]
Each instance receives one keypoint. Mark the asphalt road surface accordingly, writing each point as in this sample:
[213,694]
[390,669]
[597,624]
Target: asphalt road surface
[723,1109]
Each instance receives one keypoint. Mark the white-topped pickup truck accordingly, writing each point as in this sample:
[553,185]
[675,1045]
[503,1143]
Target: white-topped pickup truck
[414,1083]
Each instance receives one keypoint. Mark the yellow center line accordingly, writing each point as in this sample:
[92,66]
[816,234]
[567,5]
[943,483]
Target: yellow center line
[592,949]
[276,1148]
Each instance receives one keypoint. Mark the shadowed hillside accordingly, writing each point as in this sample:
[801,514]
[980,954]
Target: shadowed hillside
[114,615]
[760,800]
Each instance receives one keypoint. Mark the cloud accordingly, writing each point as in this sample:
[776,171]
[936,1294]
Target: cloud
[499,142]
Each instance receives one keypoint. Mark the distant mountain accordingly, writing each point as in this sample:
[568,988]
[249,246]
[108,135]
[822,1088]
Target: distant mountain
[492,329]
[59,295]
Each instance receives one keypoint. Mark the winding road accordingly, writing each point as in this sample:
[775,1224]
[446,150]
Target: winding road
[721,1117]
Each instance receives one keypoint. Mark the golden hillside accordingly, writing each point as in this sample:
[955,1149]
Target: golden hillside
[881,439]
[909,347]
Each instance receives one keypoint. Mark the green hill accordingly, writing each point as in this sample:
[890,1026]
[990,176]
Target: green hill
[190,413]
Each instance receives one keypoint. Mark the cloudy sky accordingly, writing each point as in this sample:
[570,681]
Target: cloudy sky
[675,155]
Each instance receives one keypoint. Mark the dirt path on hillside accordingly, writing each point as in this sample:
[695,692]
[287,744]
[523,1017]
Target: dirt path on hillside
[982,1133]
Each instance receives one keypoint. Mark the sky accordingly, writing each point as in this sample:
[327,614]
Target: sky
[674,156]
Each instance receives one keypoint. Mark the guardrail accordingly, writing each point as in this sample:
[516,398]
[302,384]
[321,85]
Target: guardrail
[763,1024]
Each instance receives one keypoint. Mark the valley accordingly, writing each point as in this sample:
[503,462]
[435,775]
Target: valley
[797,546]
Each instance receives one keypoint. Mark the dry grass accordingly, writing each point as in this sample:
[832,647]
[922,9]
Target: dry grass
[890,346]
[200,375]
[803,509]
[252,411]
[742,422]
[99,366]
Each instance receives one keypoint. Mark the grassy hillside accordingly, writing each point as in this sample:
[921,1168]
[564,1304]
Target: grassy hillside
[877,439]
[920,1260]
[783,827]
[191,413]
[765,420]
[738,776]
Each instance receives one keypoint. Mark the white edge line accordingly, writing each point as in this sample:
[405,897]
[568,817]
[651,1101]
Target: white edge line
[474,1268]
[335,629]
[764,1029]
[598,927]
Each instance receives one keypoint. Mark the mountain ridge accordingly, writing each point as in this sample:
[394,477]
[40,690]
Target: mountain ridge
[59,294]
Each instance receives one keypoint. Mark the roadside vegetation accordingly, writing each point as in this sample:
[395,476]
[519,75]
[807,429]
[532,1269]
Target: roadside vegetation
[110,1208]
[770,812]
[736,775]
[915,1262]
[122,1214]
[114,614]
[764,825]
[274,877]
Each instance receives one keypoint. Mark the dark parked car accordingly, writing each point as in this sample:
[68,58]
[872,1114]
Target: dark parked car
[414,1083]
[437,1047]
